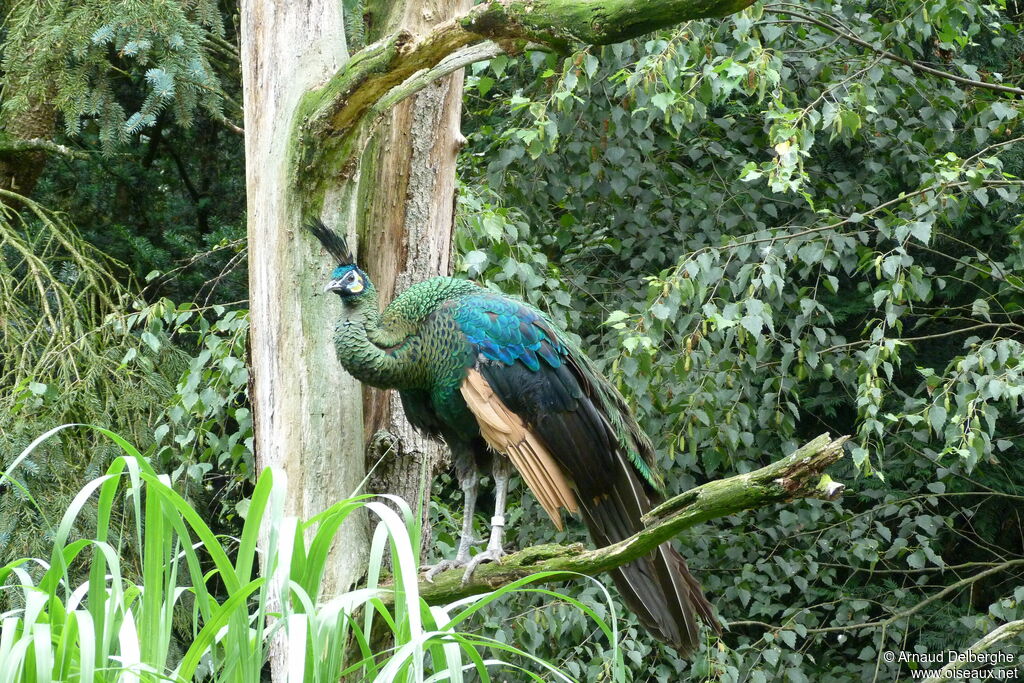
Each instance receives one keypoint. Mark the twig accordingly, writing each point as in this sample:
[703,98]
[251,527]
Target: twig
[917,66]
[963,583]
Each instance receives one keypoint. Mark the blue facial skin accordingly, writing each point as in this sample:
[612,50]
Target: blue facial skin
[340,271]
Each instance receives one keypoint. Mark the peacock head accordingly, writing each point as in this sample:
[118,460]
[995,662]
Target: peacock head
[348,281]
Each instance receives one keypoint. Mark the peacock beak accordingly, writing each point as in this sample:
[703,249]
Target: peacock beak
[333,286]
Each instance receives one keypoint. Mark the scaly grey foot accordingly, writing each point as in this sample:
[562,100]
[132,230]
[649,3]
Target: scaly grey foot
[461,558]
[489,555]
[470,482]
[443,566]
[495,548]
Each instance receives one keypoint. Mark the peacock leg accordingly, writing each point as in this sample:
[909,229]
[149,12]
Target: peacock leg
[470,483]
[500,472]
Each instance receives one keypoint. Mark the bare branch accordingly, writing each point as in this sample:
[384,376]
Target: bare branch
[417,82]
[916,66]
[470,54]
[910,611]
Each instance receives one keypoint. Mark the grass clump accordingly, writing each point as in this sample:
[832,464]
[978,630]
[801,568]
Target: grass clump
[247,595]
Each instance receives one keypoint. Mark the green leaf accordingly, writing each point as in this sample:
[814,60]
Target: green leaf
[850,121]
[937,419]
[484,85]
[921,231]
[916,559]
[1003,111]
[475,262]
[752,324]
[859,455]
[160,432]
[980,308]
[616,317]
[663,100]
[811,253]
[151,341]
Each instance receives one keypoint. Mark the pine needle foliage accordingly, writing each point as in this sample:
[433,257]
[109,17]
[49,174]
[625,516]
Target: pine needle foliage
[54,286]
[355,27]
[66,353]
[79,54]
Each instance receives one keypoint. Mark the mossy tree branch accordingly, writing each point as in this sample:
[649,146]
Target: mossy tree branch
[800,475]
[328,120]
[559,23]
[418,81]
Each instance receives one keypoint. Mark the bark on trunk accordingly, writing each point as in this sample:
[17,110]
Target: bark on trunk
[405,237]
[20,169]
[307,410]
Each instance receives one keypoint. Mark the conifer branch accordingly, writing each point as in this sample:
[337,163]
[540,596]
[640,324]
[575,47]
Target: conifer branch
[16,146]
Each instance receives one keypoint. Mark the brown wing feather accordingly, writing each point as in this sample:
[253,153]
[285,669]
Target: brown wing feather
[506,433]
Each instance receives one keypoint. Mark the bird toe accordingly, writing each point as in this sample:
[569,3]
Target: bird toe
[478,559]
[442,566]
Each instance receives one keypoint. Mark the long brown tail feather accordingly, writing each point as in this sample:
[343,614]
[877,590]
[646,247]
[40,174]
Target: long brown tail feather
[658,588]
[570,458]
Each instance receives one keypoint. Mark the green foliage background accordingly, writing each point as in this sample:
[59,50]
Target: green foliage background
[766,232]
[759,227]
[145,199]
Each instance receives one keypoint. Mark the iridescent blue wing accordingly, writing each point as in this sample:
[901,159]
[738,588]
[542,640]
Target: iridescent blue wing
[541,376]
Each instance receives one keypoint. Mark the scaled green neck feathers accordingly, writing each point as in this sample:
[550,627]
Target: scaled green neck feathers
[385,349]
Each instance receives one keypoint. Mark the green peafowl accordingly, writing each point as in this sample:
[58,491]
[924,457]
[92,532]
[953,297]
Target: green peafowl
[504,387]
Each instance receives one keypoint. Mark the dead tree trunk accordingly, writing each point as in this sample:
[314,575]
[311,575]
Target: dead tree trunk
[307,410]
[406,236]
